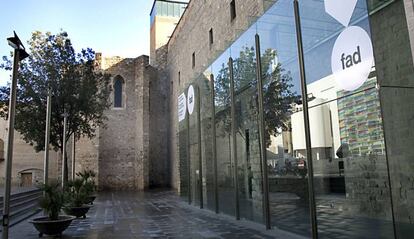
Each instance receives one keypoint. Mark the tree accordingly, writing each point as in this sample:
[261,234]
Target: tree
[277,88]
[75,84]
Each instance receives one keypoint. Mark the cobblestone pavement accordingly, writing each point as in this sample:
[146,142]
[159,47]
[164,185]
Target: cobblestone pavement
[155,214]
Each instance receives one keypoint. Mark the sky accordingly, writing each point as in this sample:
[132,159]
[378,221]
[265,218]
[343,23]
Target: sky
[113,27]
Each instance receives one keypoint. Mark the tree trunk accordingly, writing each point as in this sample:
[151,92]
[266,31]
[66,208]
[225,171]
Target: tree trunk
[64,167]
[65,172]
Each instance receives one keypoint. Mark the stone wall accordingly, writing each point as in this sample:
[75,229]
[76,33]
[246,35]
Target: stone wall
[25,159]
[192,35]
[142,122]
[395,72]
[367,186]
[86,155]
[159,87]
[123,142]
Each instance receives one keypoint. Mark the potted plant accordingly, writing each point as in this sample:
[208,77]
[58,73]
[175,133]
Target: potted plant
[52,202]
[89,184]
[76,195]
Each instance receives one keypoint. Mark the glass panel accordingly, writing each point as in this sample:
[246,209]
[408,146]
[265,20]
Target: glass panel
[170,9]
[225,163]
[177,10]
[286,150]
[348,152]
[194,154]
[249,168]
[351,182]
[164,7]
[203,82]
[183,154]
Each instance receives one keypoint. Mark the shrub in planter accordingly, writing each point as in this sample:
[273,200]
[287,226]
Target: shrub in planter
[88,177]
[76,195]
[52,202]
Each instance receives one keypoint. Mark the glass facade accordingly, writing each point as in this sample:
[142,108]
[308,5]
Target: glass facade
[351,191]
[167,9]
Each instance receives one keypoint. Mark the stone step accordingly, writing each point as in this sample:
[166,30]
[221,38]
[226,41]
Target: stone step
[22,197]
[22,206]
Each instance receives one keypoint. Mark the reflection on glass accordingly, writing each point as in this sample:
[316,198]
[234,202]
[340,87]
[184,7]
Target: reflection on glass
[225,164]
[350,170]
[206,140]
[347,140]
[183,156]
[348,153]
[287,167]
[247,134]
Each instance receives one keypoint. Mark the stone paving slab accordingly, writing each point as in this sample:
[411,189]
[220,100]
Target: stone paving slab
[154,214]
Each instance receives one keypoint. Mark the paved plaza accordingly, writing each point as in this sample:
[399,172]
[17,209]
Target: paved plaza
[154,214]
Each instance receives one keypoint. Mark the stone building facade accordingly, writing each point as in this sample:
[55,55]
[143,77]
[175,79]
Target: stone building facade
[129,151]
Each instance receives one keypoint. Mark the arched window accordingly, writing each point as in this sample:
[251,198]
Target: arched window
[118,94]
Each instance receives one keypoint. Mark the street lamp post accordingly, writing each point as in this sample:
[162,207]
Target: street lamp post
[47,137]
[73,156]
[19,54]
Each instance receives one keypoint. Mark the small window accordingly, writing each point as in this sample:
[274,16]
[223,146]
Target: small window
[179,78]
[118,91]
[210,37]
[233,9]
[193,60]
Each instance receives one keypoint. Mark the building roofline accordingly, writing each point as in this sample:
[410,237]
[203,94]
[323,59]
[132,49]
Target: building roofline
[179,21]
[171,1]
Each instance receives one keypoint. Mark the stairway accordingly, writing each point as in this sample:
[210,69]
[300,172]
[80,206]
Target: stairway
[22,206]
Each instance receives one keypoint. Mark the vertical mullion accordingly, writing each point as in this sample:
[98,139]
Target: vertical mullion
[187,121]
[234,141]
[200,162]
[263,156]
[213,132]
[312,206]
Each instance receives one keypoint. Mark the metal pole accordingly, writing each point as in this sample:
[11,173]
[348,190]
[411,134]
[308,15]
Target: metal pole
[47,137]
[200,162]
[187,121]
[213,132]
[64,159]
[73,156]
[10,139]
[262,140]
[234,141]
[312,206]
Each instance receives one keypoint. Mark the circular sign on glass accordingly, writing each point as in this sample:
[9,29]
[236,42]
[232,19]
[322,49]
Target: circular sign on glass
[190,99]
[352,58]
